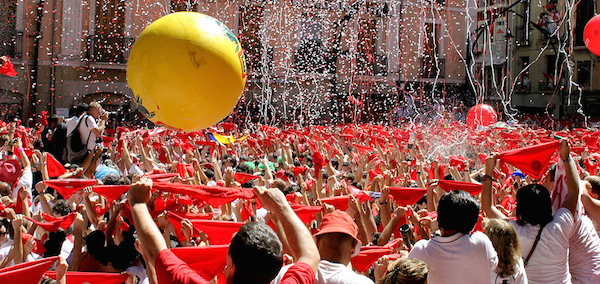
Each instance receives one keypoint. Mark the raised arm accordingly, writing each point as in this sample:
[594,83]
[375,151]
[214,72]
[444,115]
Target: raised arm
[299,238]
[487,193]
[572,177]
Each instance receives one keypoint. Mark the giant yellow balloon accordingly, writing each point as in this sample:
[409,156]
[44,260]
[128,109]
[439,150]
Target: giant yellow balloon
[187,71]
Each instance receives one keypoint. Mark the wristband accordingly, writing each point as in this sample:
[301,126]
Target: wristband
[488,177]
[568,159]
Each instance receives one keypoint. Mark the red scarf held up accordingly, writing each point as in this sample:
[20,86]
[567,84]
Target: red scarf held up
[176,218]
[26,272]
[53,223]
[449,185]
[111,192]
[213,195]
[76,277]
[8,69]
[55,168]
[339,202]
[208,261]
[407,195]
[366,257]
[219,232]
[244,177]
[67,187]
[532,160]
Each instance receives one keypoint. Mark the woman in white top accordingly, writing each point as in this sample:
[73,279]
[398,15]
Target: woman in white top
[504,238]
[544,237]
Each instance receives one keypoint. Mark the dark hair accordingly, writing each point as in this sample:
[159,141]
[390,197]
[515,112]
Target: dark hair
[534,205]
[62,207]
[54,243]
[291,189]
[257,254]
[231,159]
[458,210]
[110,179]
[209,173]
[243,168]
[595,183]
[94,242]
[8,226]
[81,108]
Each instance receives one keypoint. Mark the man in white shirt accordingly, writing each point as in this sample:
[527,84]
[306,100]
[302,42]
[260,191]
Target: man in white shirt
[89,129]
[457,256]
[338,243]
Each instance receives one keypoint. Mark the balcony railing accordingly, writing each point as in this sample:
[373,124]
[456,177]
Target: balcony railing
[113,49]
[12,43]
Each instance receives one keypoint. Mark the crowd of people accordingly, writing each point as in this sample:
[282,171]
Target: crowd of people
[437,203]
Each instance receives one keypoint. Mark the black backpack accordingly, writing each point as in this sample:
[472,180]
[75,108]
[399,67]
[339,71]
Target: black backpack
[76,149]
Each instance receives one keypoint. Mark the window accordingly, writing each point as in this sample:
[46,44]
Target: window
[371,59]
[585,11]
[522,27]
[549,79]
[584,74]
[108,44]
[523,85]
[431,65]
[310,55]
[184,5]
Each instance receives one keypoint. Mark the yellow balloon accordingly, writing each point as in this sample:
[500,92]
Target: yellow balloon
[187,71]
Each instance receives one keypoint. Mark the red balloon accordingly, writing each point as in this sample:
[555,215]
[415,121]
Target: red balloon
[481,115]
[591,35]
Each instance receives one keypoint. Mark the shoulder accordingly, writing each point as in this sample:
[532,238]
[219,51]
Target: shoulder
[299,273]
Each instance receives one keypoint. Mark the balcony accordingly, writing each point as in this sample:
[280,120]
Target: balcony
[547,85]
[12,43]
[114,49]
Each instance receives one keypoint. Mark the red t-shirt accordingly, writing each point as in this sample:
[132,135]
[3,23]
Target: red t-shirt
[171,269]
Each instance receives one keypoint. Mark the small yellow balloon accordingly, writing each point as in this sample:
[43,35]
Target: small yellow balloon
[187,71]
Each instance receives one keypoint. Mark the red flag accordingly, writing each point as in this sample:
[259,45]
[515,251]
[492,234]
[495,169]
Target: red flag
[26,272]
[54,223]
[367,256]
[407,195]
[208,261]
[55,168]
[67,187]
[244,177]
[449,185]
[76,277]
[213,195]
[8,68]
[532,160]
[111,192]
[339,202]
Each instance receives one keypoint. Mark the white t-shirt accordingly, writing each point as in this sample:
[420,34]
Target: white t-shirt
[85,129]
[548,263]
[26,180]
[72,123]
[520,277]
[459,258]
[584,252]
[330,273]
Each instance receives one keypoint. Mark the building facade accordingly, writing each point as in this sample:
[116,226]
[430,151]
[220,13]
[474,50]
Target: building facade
[307,59]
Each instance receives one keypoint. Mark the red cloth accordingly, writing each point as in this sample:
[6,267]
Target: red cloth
[55,168]
[111,192]
[44,118]
[318,162]
[449,185]
[306,213]
[228,126]
[207,261]
[363,150]
[532,160]
[76,277]
[407,195]
[244,177]
[219,232]
[176,218]
[166,177]
[339,202]
[53,224]
[26,272]
[299,170]
[38,245]
[67,187]
[8,69]
[213,195]
[171,269]
[367,256]
[359,194]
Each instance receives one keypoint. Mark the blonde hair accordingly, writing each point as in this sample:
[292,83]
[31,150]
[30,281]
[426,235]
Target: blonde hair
[506,243]
[404,271]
